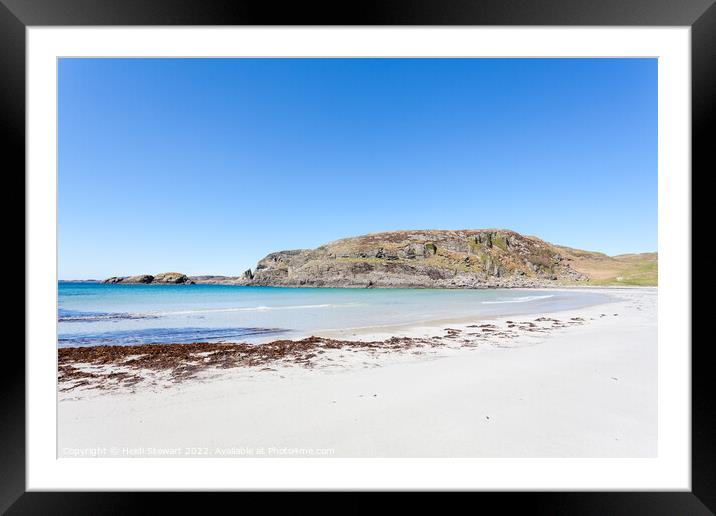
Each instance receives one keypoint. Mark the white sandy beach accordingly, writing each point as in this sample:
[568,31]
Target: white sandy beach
[587,389]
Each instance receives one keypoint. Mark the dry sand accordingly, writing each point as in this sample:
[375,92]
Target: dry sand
[583,387]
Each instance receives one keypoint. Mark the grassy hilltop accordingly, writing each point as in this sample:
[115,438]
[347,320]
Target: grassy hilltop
[624,269]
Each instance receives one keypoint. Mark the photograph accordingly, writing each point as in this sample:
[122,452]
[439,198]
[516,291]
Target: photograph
[357,257]
[406,247]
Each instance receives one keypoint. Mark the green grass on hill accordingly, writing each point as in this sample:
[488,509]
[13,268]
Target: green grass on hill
[637,270]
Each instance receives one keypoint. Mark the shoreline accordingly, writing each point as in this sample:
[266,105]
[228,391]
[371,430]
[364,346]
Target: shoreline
[460,320]
[511,308]
[91,366]
[548,285]
[606,351]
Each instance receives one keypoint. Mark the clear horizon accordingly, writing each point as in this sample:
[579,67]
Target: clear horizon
[204,166]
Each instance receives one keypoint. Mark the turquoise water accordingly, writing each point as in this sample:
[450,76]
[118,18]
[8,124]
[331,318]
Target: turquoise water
[95,314]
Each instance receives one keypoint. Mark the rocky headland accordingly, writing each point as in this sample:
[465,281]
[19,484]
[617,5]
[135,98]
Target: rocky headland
[480,258]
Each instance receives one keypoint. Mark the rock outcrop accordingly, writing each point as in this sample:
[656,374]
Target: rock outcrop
[141,278]
[171,277]
[163,278]
[421,259]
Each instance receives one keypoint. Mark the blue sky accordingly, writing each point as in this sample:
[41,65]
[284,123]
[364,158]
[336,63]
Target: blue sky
[204,166]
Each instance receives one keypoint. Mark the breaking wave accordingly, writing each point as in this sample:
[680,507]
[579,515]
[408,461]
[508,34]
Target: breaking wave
[524,299]
[64,315]
[260,308]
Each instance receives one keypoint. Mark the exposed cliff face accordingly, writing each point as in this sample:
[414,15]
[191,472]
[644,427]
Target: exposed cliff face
[430,259]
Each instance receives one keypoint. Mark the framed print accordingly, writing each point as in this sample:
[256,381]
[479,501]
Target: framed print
[415,248]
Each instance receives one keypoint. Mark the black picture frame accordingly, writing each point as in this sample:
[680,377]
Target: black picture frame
[700,15]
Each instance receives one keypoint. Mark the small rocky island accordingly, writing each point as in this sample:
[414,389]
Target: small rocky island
[479,258]
[164,278]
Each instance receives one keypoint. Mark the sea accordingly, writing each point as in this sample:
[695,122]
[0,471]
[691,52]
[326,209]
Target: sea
[91,314]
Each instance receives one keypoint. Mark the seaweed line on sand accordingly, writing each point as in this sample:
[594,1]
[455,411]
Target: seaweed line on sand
[106,367]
